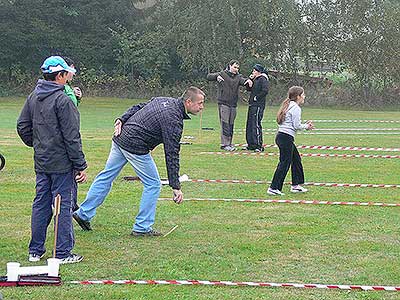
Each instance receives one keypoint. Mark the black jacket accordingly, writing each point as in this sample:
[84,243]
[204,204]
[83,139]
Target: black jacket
[259,91]
[49,122]
[146,125]
[228,90]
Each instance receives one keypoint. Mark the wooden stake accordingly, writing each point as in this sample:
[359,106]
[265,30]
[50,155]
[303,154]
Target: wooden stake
[57,206]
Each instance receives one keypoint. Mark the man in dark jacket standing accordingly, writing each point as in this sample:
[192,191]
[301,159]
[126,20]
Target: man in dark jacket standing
[138,131]
[229,81]
[255,114]
[49,122]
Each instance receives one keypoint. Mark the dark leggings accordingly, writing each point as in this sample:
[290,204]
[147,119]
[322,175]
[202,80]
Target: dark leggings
[288,157]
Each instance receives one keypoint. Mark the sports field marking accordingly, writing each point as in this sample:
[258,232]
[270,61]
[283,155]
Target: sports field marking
[337,148]
[284,201]
[304,154]
[243,284]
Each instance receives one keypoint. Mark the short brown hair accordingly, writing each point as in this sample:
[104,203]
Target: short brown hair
[192,92]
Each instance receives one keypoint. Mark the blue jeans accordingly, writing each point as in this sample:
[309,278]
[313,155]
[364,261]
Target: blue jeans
[47,188]
[144,167]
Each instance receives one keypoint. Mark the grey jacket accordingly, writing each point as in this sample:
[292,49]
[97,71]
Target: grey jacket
[49,122]
[228,90]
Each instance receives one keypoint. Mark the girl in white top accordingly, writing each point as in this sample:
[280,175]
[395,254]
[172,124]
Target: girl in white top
[289,121]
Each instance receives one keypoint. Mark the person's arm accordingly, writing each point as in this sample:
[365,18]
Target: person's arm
[24,125]
[172,127]
[245,81]
[213,76]
[296,119]
[68,119]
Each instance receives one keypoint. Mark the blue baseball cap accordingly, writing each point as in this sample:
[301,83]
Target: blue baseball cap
[54,64]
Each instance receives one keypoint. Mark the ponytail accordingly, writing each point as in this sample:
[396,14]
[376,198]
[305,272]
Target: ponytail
[280,116]
[293,94]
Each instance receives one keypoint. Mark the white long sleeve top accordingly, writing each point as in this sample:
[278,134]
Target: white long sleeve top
[292,121]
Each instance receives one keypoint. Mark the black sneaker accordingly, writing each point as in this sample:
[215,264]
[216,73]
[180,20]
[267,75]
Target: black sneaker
[71,259]
[150,233]
[85,225]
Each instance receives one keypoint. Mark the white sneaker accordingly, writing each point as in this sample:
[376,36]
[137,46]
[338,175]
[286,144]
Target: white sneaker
[274,192]
[71,259]
[35,257]
[298,189]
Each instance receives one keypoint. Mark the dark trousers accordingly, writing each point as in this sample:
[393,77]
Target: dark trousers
[254,135]
[288,157]
[227,117]
[47,188]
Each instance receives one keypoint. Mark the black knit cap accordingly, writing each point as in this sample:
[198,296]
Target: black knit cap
[259,68]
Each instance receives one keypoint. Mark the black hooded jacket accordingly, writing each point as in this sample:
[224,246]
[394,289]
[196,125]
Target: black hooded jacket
[49,122]
[259,91]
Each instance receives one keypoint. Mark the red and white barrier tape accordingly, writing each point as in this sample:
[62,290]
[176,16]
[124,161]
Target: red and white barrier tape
[282,201]
[347,121]
[243,283]
[241,181]
[356,121]
[361,185]
[239,130]
[338,148]
[304,154]
[332,133]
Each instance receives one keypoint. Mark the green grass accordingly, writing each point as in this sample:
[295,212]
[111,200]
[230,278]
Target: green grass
[218,240]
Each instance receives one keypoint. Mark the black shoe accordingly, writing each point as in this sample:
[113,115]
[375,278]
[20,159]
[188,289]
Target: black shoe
[75,207]
[85,225]
[150,233]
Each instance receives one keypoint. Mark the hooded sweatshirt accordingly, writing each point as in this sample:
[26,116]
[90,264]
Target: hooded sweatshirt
[259,91]
[49,122]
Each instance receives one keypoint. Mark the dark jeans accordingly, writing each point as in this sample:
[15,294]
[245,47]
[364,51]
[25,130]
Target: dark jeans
[288,157]
[254,135]
[47,188]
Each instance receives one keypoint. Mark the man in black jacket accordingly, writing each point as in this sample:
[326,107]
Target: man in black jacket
[138,131]
[49,122]
[259,91]
[229,81]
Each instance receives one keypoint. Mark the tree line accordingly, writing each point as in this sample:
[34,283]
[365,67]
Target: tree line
[133,48]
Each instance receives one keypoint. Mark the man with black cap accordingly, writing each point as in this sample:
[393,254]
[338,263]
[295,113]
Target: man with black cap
[49,122]
[259,91]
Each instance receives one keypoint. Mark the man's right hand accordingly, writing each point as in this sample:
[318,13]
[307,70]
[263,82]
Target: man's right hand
[81,177]
[178,196]
[220,79]
[117,127]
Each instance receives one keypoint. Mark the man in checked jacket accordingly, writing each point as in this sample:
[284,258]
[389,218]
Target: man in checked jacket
[138,131]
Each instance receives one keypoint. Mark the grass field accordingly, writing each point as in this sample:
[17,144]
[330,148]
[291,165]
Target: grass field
[219,240]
